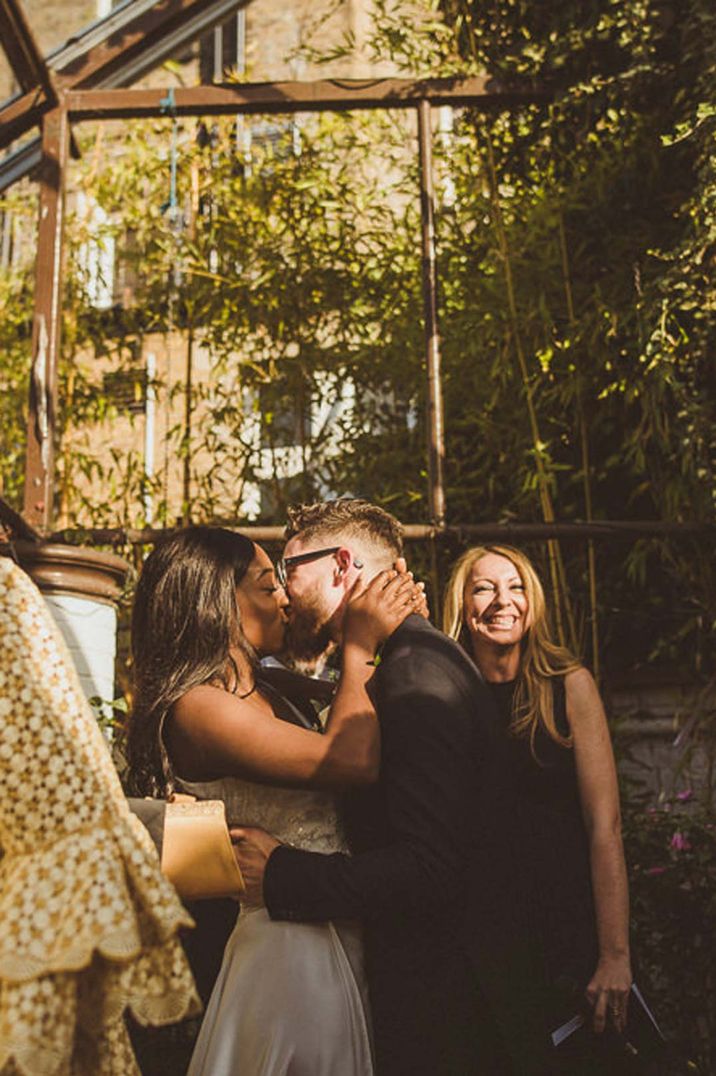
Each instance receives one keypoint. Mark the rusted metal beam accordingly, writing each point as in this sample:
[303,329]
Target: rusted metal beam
[605,530]
[39,466]
[14,523]
[284,97]
[434,409]
[38,93]
[114,51]
[267,98]
[17,117]
[21,50]
[150,35]
[22,113]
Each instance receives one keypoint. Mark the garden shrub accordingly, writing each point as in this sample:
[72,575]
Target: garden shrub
[671,853]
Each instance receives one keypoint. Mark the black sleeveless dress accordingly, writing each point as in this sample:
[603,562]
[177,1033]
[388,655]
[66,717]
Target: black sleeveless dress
[539,936]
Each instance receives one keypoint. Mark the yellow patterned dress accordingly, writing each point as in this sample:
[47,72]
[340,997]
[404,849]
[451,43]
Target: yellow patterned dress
[88,925]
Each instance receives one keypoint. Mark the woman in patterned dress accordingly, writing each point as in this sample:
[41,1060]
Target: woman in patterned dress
[88,925]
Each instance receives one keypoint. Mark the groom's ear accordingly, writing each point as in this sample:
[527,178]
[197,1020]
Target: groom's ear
[343,560]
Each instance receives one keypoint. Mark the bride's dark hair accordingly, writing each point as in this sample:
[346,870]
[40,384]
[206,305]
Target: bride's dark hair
[185,621]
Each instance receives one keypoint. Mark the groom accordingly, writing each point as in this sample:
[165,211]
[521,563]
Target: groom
[414,867]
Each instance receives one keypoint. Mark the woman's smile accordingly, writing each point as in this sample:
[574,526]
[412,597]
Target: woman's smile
[499,620]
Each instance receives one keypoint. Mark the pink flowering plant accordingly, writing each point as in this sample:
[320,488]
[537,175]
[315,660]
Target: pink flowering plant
[671,854]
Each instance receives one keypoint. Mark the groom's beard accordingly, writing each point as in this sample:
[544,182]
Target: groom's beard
[308,635]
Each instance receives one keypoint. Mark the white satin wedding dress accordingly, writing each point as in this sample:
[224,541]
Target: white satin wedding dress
[290,999]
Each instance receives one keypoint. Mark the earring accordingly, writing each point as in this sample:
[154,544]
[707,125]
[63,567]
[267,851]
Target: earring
[357,563]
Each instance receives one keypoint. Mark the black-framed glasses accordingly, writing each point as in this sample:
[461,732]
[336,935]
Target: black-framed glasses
[285,563]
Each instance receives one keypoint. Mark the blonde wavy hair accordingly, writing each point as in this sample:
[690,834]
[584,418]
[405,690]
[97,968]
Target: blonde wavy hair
[540,659]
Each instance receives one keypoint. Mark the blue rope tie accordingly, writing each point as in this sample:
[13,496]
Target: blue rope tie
[169,108]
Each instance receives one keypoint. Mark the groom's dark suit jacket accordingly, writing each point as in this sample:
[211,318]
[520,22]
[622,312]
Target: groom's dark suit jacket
[415,866]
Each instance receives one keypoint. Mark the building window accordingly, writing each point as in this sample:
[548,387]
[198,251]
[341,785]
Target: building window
[284,415]
[126,389]
[223,50]
[97,254]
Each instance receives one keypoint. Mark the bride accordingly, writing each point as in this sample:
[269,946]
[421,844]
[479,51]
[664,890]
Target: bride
[290,997]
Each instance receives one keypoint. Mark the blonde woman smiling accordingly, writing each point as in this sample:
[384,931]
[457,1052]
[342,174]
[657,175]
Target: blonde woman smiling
[558,885]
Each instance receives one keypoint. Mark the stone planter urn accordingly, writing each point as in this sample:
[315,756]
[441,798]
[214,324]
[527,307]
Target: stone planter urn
[81,587]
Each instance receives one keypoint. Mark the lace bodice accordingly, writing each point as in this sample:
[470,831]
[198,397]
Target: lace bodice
[307,818]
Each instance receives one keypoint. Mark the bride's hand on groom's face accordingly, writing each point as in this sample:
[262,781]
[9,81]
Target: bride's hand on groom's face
[421,604]
[375,610]
[252,848]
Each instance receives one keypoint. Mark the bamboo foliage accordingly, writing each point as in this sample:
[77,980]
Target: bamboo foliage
[564,619]
[584,450]
[576,301]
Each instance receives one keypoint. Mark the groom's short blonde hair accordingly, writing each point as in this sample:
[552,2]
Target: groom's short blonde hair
[349,517]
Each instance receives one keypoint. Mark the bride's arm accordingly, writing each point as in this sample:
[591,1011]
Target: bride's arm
[352,727]
[217,734]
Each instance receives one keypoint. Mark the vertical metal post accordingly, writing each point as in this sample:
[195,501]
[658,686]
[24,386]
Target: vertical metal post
[150,411]
[188,418]
[435,419]
[218,54]
[241,42]
[39,464]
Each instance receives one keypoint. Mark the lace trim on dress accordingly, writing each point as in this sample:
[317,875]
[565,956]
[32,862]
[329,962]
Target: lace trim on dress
[89,922]
[80,896]
[48,1019]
